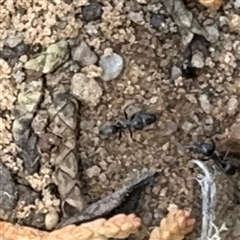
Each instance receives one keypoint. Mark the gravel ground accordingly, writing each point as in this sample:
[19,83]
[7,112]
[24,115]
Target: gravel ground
[130,57]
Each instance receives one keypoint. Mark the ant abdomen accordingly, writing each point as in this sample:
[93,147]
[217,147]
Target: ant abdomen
[142,119]
[108,130]
[149,119]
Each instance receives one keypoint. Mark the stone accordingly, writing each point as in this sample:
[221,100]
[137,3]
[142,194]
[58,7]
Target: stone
[111,65]
[56,55]
[92,12]
[205,104]
[197,60]
[232,106]
[86,89]
[157,20]
[50,60]
[14,39]
[176,72]
[51,220]
[84,55]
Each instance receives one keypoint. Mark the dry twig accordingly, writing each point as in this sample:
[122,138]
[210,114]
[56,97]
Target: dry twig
[175,226]
[120,226]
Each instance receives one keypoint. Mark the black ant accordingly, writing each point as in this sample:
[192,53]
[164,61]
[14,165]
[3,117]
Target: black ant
[138,121]
[225,163]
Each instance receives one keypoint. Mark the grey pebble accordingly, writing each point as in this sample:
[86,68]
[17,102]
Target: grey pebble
[176,72]
[13,40]
[197,60]
[111,65]
[92,12]
[86,89]
[157,20]
[147,218]
[84,55]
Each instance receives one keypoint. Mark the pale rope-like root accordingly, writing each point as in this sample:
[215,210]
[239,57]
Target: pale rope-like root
[119,226]
[209,195]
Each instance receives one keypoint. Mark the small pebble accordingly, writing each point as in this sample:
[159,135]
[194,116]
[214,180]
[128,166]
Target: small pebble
[187,127]
[92,12]
[232,106]
[51,220]
[13,40]
[86,89]
[102,177]
[213,33]
[93,171]
[111,65]
[147,218]
[234,23]
[84,55]
[176,72]
[136,17]
[197,60]
[205,104]
[157,20]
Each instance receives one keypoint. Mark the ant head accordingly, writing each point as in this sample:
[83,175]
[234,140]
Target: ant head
[206,149]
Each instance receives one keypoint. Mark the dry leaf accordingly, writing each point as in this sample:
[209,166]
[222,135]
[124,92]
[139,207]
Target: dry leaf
[119,226]
[175,226]
[124,200]
[212,4]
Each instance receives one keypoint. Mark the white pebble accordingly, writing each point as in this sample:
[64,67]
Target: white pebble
[51,220]
[232,105]
[111,65]
[205,104]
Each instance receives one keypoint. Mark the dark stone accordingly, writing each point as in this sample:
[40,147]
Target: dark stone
[157,20]
[92,12]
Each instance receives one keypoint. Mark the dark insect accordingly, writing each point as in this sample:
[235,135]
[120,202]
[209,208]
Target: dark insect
[137,121]
[225,163]
[223,160]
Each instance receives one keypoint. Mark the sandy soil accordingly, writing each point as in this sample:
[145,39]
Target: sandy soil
[149,54]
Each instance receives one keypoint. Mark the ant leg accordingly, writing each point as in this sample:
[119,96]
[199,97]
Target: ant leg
[131,134]
[132,138]
[120,134]
[225,155]
[125,113]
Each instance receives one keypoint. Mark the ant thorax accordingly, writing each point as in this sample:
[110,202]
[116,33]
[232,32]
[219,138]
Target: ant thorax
[124,124]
